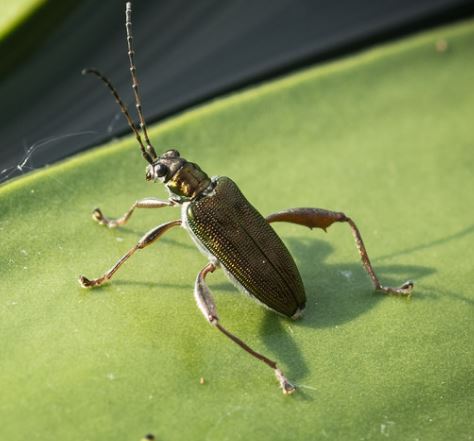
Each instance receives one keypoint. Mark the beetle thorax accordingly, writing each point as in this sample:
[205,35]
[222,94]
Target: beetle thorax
[184,180]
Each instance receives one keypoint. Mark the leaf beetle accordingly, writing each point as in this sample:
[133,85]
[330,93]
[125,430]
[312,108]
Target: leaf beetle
[226,228]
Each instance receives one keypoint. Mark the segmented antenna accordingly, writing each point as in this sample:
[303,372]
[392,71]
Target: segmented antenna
[133,71]
[123,108]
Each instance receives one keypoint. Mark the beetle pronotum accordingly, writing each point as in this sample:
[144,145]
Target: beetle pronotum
[226,228]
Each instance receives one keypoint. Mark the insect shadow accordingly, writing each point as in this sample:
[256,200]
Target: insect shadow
[337,294]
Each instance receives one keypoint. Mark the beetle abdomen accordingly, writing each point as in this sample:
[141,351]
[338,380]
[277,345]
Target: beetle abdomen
[247,247]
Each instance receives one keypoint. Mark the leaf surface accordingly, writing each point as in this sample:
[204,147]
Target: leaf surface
[385,136]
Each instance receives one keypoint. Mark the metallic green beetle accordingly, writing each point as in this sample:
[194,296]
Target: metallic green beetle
[227,229]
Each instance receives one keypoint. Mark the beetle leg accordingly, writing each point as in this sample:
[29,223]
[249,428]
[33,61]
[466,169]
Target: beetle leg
[146,240]
[206,304]
[98,216]
[319,218]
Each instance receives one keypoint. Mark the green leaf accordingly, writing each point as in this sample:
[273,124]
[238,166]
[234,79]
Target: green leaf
[15,12]
[386,137]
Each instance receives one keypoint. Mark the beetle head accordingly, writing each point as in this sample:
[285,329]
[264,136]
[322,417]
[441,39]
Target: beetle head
[182,178]
[164,167]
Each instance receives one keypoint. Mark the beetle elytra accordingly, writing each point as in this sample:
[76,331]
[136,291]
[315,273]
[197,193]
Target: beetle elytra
[227,229]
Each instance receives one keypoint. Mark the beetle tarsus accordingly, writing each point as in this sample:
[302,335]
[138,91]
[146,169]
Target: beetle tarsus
[285,385]
[99,217]
[85,282]
[404,290]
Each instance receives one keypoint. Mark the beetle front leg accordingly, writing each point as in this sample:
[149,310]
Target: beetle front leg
[146,240]
[206,304]
[98,216]
[320,218]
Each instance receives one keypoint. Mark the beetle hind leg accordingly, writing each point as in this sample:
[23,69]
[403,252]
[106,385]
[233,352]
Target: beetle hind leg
[320,218]
[206,304]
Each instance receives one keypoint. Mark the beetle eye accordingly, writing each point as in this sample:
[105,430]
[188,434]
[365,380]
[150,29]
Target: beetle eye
[160,170]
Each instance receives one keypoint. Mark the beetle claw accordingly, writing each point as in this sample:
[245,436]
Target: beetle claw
[98,216]
[404,290]
[407,287]
[85,282]
[285,385]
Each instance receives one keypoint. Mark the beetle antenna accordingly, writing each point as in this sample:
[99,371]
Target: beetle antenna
[124,110]
[133,71]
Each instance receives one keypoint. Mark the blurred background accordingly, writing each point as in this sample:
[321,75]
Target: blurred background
[187,52]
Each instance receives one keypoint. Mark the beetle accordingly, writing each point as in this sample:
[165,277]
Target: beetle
[226,228]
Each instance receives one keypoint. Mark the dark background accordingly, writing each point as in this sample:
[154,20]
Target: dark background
[187,53]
